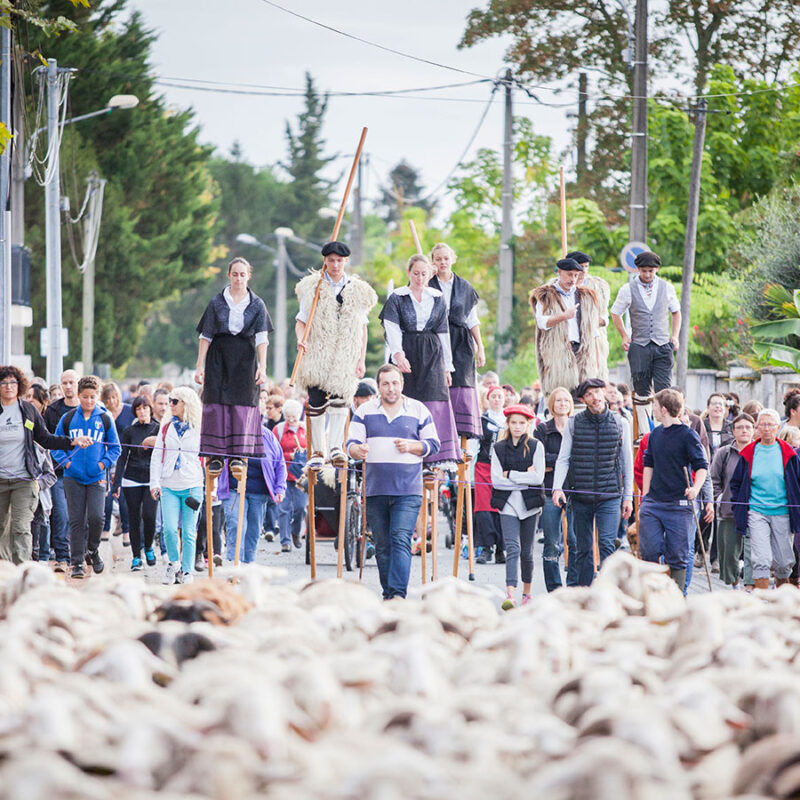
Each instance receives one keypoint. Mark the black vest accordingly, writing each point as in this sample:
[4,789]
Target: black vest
[514,458]
[595,466]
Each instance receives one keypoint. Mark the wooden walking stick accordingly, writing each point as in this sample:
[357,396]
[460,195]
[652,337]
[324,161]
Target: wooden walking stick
[311,528]
[315,302]
[563,193]
[423,536]
[435,530]
[363,544]
[699,534]
[564,534]
[342,511]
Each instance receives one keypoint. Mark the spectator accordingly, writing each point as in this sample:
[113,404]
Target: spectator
[729,543]
[595,465]
[22,428]
[627,400]
[364,392]
[132,478]
[791,407]
[122,414]
[490,378]
[715,420]
[732,404]
[55,392]
[266,480]
[391,434]
[765,489]
[488,533]
[38,396]
[549,434]
[274,410]
[791,435]
[291,435]
[85,473]
[176,478]
[753,408]
[517,474]
[666,519]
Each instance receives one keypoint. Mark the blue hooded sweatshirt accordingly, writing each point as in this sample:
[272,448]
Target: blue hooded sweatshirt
[84,464]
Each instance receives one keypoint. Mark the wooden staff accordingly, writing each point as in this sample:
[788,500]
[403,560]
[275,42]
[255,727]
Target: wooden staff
[209,522]
[595,548]
[414,236]
[342,511]
[564,534]
[435,530]
[699,534]
[311,528]
[423,536]
[363,519]
[563,213]
[302,350]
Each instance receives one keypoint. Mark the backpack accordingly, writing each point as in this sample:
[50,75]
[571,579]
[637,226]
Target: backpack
[67,419]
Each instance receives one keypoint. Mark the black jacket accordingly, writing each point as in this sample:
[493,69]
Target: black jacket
[36,431]
[134,463]
[550,437]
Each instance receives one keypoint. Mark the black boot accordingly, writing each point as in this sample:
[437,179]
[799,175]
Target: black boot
[499,555]
[483,556]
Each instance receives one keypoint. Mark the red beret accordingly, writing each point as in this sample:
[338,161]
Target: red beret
[519,409]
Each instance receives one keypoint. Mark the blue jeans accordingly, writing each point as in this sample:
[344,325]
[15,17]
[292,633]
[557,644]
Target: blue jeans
[173,510]
[271,512]
[59,521]
[391,518]
[605,513]
[554,546]
[254,507]
[665,530]
[291,511]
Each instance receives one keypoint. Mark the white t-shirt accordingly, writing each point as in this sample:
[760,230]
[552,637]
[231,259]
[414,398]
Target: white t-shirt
[12,443]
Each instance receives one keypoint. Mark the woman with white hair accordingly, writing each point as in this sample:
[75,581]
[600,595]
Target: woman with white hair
[176,477]
[291,435]
[465,339]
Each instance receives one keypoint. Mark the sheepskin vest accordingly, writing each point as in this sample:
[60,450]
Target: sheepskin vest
[334,338]
[600,343]
[558,365]
[594,463]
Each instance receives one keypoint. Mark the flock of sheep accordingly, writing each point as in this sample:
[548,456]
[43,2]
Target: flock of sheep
[319,690]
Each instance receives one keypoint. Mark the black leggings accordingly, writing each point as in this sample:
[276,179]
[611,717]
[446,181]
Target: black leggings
[141,509]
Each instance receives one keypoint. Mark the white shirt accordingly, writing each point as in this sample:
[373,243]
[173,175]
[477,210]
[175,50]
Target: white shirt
[236,316]
[423,309]
[447,293]
[623,301]
[569,300]
[305,302]
[517,481]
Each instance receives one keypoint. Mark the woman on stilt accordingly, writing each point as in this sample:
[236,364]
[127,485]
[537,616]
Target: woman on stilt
[231,365]
[465,339]
[418,341]
[488,533]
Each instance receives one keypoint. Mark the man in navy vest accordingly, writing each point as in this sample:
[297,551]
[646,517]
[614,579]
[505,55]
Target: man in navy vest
[655,315]
[595,468]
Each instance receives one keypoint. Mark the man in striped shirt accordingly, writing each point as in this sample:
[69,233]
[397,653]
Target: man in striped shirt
[392,434]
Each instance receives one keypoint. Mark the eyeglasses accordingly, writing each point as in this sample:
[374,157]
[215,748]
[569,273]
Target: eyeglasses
[9,383]
[173,401]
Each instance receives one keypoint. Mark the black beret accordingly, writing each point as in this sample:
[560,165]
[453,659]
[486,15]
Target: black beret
[581,258]
[336,248]
[647,259]
[365,390]
[569,264]
[589,383]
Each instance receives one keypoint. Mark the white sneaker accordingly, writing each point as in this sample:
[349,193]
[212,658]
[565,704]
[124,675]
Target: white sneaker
[187,577]
[170,573]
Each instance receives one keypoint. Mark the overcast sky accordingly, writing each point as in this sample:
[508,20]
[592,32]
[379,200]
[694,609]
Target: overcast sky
[249,42]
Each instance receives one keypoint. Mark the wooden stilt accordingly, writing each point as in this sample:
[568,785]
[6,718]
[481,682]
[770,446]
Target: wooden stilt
[363,544]
[470,539]
[423,533]
[459,514]
[209,521]
[311,530]
[240,474]
[342,510]
[435,530]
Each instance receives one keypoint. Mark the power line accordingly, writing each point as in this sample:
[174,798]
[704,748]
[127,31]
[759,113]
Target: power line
[372,44]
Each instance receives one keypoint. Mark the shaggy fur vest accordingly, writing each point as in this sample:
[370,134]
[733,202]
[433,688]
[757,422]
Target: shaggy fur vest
[603,292]
[334,339]
[558,365]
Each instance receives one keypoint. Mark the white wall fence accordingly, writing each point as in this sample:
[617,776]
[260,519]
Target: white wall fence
[766,386]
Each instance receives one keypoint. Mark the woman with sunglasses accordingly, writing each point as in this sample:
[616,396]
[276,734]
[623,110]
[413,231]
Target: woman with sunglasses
[132,478]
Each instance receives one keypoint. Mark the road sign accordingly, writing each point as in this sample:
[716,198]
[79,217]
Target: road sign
[628,254]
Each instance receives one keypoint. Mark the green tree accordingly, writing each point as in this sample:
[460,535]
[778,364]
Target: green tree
[159,211]
[404,190]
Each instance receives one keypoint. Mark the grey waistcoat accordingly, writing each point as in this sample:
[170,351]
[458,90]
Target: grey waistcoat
[649,326]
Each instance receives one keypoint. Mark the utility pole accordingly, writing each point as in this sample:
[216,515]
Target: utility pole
[690,245]
[18,168]
[94,211]
[281,264]
[639,200]
[55,354]
[582,133]
[506,280]
[5,184]
[357,234]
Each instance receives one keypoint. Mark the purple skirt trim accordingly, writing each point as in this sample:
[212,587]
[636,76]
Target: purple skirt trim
[464,400]
[231,431]
[442,413]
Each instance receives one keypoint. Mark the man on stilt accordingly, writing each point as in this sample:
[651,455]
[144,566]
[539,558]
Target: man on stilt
[335,348]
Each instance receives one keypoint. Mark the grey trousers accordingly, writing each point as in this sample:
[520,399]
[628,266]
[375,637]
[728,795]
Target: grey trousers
[518,539]
[771,544]
[729,548]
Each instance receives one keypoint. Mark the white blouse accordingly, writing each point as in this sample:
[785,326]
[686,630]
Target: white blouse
[236,317]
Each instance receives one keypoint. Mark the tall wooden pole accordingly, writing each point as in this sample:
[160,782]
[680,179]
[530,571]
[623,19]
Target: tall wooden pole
[563,196]
[505,289]
[638,201]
